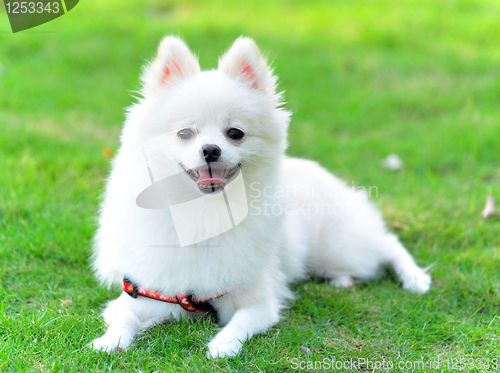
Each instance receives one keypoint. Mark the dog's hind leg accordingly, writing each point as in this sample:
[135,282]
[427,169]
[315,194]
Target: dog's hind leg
[342,281]
[346,257]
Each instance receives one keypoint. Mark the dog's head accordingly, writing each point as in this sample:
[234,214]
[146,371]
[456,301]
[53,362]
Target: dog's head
[213,124]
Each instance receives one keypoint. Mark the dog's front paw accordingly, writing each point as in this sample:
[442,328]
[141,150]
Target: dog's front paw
[107,344]
[221,349]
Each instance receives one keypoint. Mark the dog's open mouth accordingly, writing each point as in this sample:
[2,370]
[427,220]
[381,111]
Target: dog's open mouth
[212,179]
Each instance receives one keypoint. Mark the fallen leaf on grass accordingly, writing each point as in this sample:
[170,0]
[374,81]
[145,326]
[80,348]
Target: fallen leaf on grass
[397,224]
[489,208]
[66,302]
[107,152]
[393,162]
[305,349]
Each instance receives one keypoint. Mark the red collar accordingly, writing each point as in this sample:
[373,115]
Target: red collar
[188,302]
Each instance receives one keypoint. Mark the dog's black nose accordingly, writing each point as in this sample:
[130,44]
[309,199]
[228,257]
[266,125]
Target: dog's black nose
[210,152]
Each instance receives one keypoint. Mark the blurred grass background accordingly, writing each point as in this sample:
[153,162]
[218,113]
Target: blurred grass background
[363,78]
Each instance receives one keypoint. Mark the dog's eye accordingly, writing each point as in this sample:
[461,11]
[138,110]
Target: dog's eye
[185,134]
[235,134]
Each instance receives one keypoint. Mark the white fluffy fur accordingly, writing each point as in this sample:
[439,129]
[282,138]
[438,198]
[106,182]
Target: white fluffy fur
[268,250]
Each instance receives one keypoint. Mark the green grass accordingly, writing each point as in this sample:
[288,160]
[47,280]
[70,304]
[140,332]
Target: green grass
[363,78]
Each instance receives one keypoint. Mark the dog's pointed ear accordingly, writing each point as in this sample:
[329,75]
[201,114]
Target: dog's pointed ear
[173,63]
[244,63]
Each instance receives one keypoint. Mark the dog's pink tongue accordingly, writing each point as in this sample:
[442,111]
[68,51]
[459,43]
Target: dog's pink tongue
[217,176]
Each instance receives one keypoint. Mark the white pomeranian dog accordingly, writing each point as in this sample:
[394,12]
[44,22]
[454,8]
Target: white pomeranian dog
[203,211]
